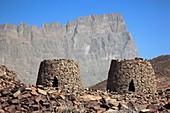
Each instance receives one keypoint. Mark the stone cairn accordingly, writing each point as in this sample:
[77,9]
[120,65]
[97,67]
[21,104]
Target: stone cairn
[136,75]
[61,73]
[7,77]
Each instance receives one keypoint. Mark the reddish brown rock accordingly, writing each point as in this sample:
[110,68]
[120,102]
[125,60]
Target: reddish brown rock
[18,97]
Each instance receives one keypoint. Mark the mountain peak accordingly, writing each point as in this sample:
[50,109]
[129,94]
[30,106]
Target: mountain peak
[91,40]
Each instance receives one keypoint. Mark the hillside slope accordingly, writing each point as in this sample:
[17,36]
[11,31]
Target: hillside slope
[161,66]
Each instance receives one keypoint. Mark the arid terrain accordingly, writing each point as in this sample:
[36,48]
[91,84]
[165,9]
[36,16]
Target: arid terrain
[161,66]
[17,97]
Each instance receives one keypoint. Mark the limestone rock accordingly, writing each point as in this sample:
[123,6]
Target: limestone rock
[92,41]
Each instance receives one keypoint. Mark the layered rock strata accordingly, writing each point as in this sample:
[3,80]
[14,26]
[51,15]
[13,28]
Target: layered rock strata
[92,41]
[136,75]
[61,73]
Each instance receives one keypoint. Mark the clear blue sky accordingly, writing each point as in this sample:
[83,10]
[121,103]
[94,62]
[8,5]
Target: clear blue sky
[147,20]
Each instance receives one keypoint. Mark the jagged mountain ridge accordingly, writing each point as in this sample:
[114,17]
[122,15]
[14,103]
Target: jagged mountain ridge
[92,41]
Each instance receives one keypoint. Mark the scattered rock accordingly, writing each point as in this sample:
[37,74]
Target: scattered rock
[111,111]
[17,97]
[132,106]
[42,91]
[153,108]
[16,93]
[167,106]
[145,111]
[88,97]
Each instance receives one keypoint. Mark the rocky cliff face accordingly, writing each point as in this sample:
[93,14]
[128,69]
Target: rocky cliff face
[92,41]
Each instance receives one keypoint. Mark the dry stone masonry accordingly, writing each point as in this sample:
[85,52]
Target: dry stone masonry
[134,75]
[7,77]
[63,73]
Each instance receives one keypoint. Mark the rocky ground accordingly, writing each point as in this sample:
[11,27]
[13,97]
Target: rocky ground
[24,99]
[16,97]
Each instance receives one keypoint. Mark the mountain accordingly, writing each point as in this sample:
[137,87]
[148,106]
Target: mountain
[92,41]
[161,66]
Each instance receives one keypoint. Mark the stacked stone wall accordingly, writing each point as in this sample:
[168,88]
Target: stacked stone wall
[7,77]
[135,75]
[63,73]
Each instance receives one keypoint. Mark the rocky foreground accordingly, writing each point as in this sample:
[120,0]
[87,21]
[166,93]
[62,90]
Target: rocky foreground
[16,97]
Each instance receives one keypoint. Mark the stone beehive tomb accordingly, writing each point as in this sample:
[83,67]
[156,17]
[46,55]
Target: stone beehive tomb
[61,73]
[135,75]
